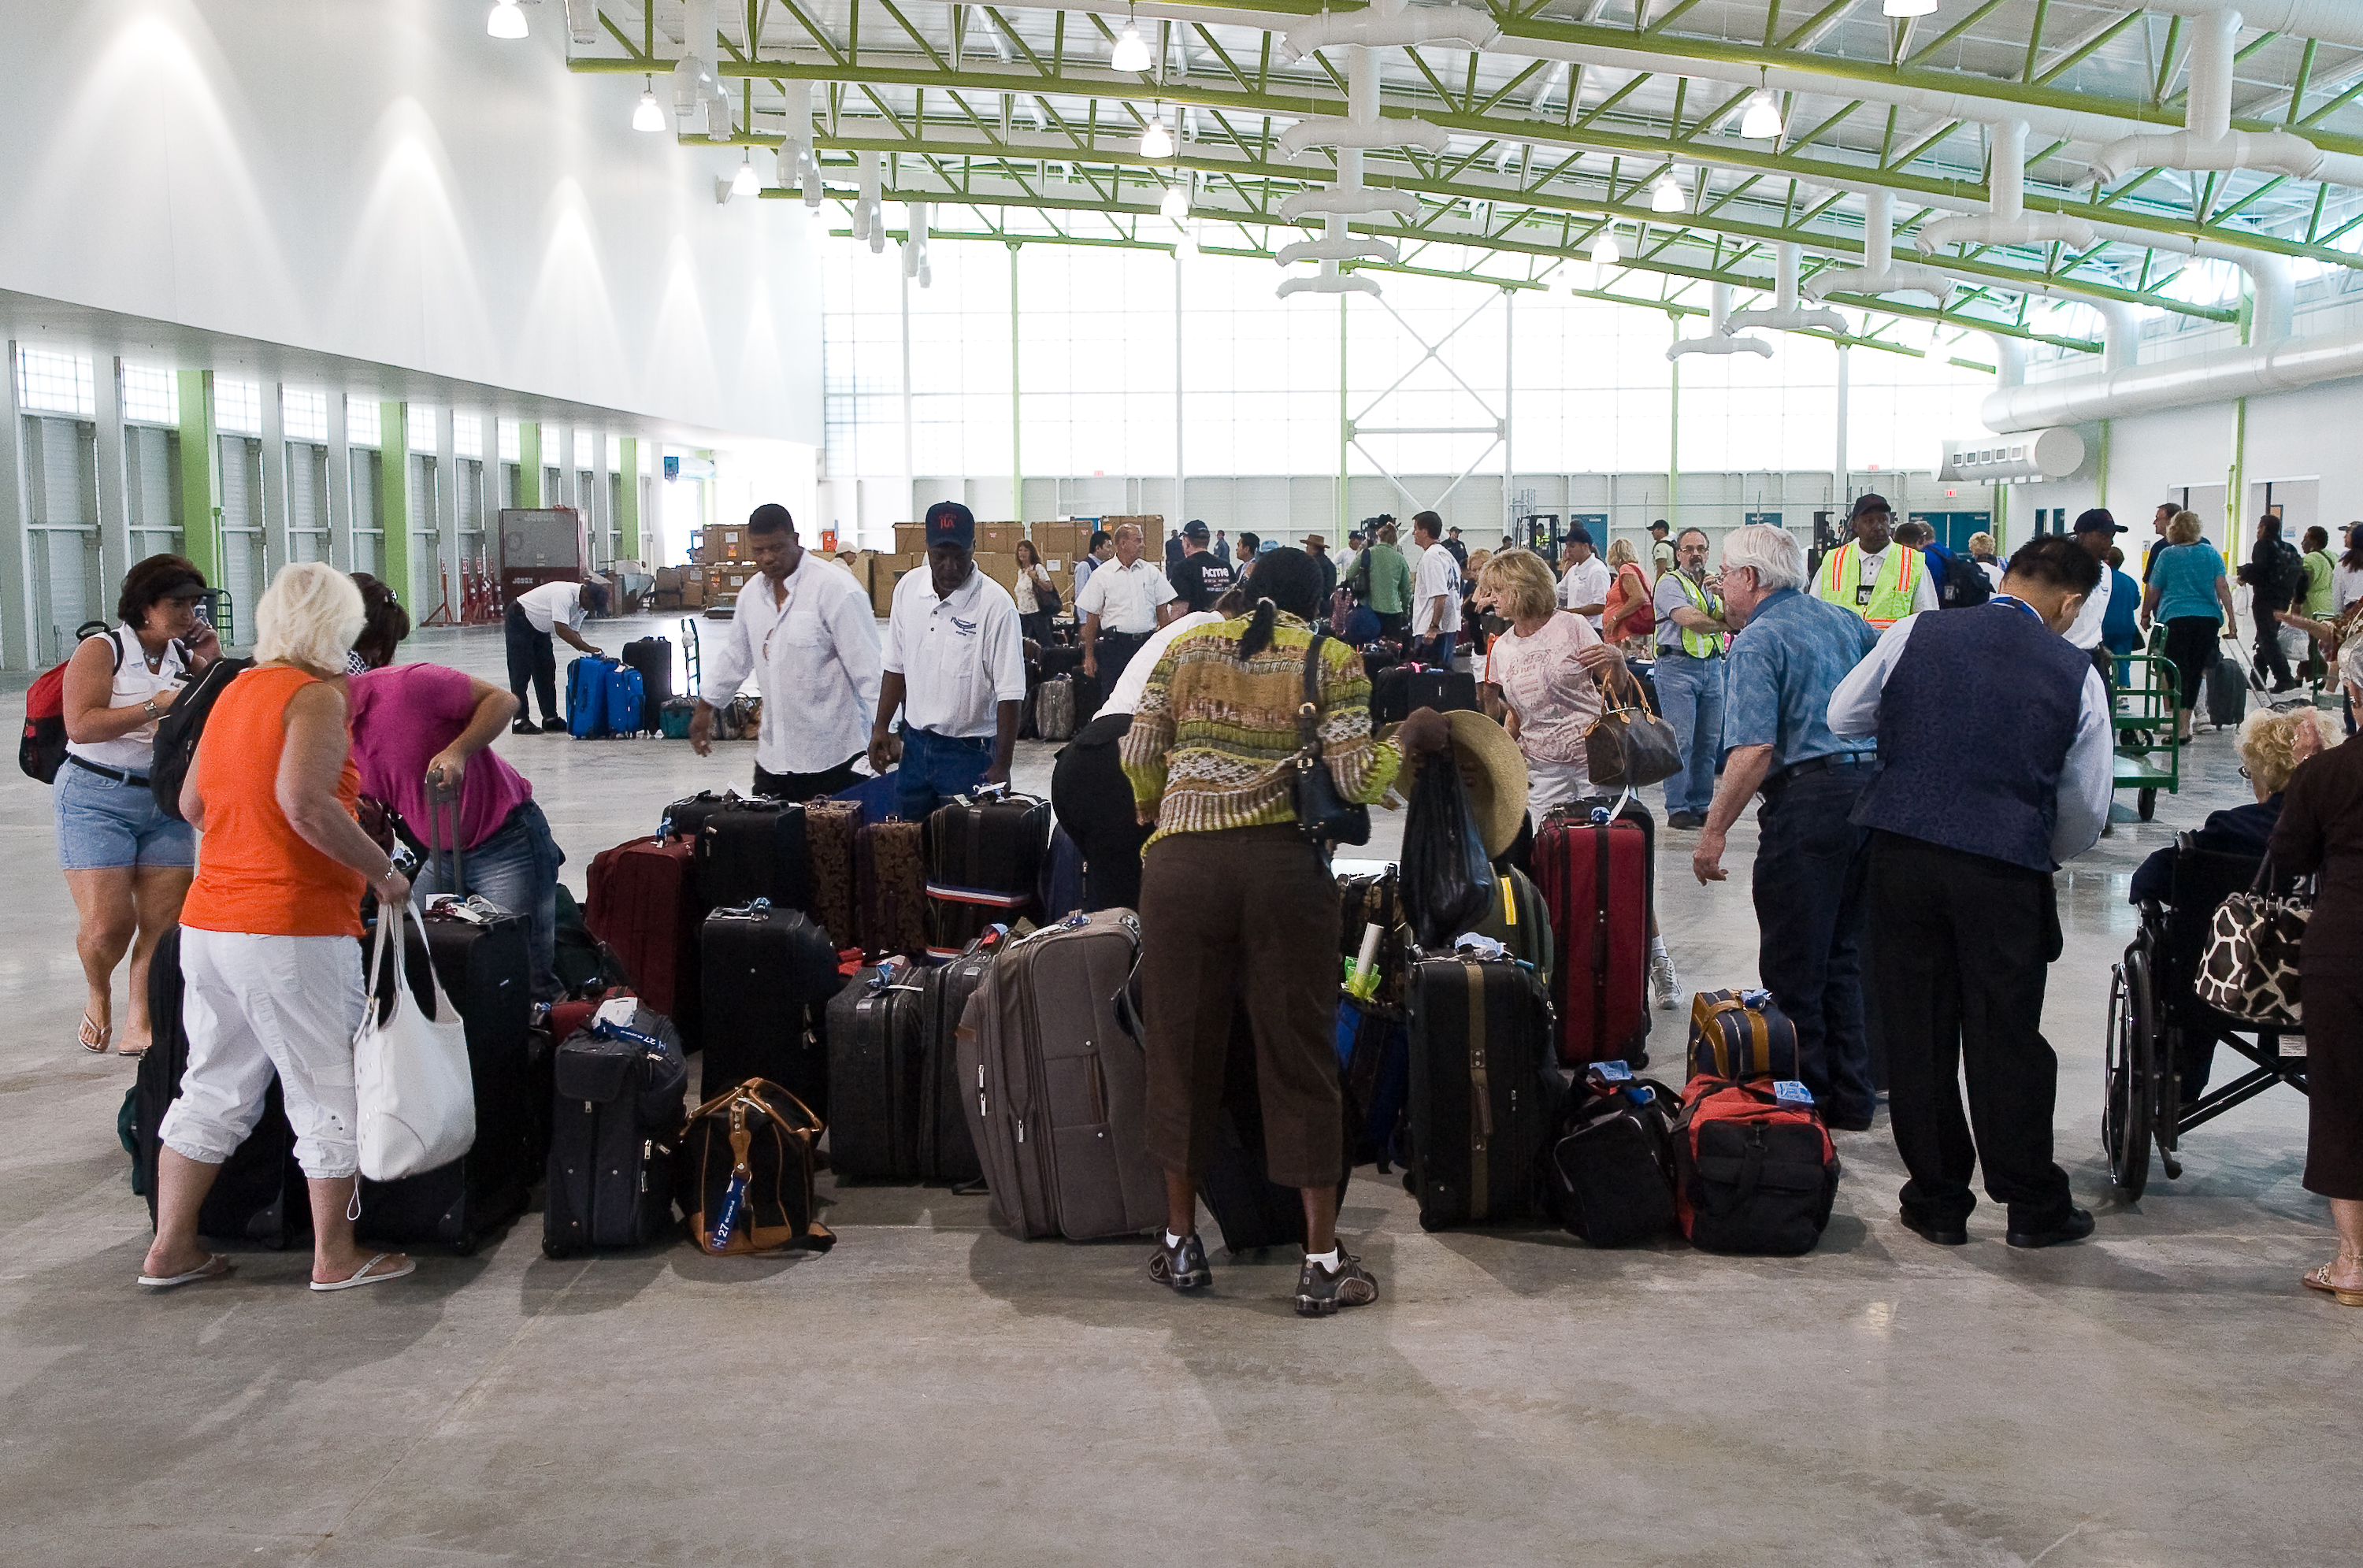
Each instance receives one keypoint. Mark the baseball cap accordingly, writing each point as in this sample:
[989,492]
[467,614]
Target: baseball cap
[949,522]
[1869,502]
[1579,535]
[2098,521]
[1196,530]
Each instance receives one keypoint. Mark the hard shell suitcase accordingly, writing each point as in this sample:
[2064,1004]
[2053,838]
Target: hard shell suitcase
[1594,881]
[746,1173]
[586,696]
[768,974]
[259,1196]
[755,849]
[1755,1172]
[890,872]
[2227,692]
[626,702]
[876,1046]
[1741,1036]
[947,1148]
[831,827]
[1479,1112]
[615,1124]
[652,657]
[643,905]
[1610,1174]
[1055,1083]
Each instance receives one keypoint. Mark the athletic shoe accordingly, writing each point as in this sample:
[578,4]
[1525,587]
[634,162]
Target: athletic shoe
[1321,1291]
[1182,1267]
[1663,983]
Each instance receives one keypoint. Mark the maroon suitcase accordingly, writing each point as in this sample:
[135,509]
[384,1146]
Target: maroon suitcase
[643,904]
[1594,880]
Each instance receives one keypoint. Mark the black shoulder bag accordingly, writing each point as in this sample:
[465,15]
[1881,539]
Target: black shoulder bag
[1323,816]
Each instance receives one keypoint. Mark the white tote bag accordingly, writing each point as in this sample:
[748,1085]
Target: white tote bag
[418,1098]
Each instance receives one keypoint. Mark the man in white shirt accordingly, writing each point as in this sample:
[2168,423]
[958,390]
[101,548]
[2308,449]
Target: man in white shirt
[2096,531]
[1123,602]
[1434,595]
[803,629]
[955,670]
[1093,558]
[534,616]
[1583,587]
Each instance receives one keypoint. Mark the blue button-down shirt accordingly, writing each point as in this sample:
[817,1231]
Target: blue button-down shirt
[1784,664]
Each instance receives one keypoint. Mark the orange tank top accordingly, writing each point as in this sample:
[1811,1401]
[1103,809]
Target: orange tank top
[255,872]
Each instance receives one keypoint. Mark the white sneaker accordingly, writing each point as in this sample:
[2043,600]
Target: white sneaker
[1663,985]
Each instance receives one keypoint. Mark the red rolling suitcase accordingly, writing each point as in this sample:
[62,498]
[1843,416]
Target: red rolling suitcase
[643,905]
[1594,880]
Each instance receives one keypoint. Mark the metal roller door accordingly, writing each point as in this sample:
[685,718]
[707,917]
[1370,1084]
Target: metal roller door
[63,486]
[369,510]
[152,489]
[244,570]
[307,501]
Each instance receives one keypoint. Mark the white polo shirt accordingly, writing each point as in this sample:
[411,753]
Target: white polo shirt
[545,606]
[1124,598]
[1439,577]
[1586,582]
[815,658]
[2085,632]
[959,657]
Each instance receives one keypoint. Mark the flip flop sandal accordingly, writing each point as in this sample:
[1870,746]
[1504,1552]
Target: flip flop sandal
[133,1055]
[2319,1279]
[95,1036]
[215,1267]
[362,1276]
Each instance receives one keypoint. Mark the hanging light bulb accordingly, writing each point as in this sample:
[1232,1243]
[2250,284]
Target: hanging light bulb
[1762,121]
[1604,251]
[1666,195]
[746,182]
[507,21]
[1131,53]
[650,114]
[1157,142]
[1176,204]
[1909,7]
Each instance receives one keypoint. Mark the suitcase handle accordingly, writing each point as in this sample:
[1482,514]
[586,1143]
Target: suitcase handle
[436,800]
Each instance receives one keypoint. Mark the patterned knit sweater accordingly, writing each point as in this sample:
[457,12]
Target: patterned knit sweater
[1213,742]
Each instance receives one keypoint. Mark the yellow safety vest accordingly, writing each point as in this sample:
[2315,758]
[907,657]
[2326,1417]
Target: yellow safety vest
[1699,645]
[1891,597]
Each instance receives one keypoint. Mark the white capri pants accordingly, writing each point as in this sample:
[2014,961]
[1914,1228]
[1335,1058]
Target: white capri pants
[252,1004]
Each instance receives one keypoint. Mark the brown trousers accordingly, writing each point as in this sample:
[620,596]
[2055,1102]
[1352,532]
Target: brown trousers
[1248,915]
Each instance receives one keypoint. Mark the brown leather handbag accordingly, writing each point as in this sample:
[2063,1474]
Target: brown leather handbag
[1628,746]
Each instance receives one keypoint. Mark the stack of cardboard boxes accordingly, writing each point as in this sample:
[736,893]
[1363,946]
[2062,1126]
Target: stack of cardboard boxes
[1058,543]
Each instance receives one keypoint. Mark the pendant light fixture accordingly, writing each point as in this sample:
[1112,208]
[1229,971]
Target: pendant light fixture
[1604,251]
[1666,195]
[1909,7]
[746,182]
[507,21]
[1176,204]
[1157,142]
[650,114]
[1131,53]
[1762,120]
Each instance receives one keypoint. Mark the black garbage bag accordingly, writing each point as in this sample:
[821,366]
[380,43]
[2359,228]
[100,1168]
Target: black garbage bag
[1447,879]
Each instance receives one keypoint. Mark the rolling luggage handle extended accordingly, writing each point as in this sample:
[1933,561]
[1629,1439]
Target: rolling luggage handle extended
[457,885]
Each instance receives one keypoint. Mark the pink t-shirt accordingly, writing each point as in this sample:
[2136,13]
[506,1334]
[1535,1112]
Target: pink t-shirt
[403,717]
[1554,698]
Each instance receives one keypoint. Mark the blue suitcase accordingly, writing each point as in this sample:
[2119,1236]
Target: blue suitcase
[627,700]
[586,697]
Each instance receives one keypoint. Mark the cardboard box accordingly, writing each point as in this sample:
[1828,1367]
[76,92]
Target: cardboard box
[910,538]
[726,580]
[1064,540]
[726,544]
[885,572]
[998,538]
[1002,568]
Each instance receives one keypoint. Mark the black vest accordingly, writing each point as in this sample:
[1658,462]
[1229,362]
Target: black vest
[1974,725]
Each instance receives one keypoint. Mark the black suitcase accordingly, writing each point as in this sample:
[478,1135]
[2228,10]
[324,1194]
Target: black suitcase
[877,1048]
[1397,692]
[764,984]
[685,818]
[754,849]
[1479,1112]
[2227,692]
[1611,1171]
[479,957]
[615,1122]
[652,657]
[259,1196]
[990,844]
[1251,1208]
[946,1147]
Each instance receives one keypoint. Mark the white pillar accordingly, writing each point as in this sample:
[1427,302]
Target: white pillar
[114,504]
[340,485]
[277,548]
[17,640]
[447,511]
[1842,478]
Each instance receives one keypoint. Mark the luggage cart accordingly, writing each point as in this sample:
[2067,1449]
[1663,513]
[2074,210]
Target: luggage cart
[2148,756]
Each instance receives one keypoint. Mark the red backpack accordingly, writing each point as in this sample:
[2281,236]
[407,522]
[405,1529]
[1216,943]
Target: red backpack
[43,751]
[1753,1172]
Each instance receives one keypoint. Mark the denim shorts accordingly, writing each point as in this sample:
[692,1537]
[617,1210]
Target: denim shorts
[104,823]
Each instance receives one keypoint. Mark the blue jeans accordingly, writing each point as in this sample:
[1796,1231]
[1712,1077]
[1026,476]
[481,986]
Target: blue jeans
[935,767]
[1811,902]
[517,867]
[1689,697]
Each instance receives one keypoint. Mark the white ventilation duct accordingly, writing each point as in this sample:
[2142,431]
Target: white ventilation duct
[1355,204]
[868,200]
[1337,248]
[915,242]
[2332,21]
[799,167]
[582,21]
[1880,274]
[1719,339]
[1786,315]
[2218,376]
[2010,359]
[2208,140]
[1325,131]
[1387,27]
[2006,219]
[2052,453]
[694,82]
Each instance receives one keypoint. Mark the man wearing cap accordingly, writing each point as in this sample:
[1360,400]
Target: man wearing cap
[1870,577]
[1459,551]
[1202,575]
[1318,548]
[1347,562]
[804,630]
[955,668]
[2096,531]
[535,616]
[1125,602]
[1584,579]
[1788,655]
[1435,598]
[1692,641]
[1662,553]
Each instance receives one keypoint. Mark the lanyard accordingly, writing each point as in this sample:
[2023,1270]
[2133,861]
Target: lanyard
[2023,605]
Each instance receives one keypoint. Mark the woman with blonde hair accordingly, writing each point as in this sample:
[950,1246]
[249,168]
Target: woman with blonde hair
[1629,619]
[2187,588]
[269,959]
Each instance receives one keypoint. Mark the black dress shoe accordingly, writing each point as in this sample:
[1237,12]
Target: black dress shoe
[553,726]
[1847,1121]
[2075,1228]
[1943,1235]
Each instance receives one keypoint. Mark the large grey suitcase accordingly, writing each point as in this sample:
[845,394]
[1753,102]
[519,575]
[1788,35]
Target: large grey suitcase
[1055,1083]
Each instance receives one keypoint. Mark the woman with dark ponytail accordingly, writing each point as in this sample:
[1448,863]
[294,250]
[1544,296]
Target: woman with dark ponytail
[1236,908]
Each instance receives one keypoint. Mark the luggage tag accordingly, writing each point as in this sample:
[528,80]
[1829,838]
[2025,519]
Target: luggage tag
[753,910]
[1756,998]
[734,1198]
[1609,1073]
[618,1012]
[1484,948]
[1789,1091]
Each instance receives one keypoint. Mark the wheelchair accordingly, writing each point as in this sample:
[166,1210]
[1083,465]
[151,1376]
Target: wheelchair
[2154,1006]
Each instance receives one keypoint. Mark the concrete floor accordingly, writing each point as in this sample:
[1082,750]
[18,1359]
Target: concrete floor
[935,1391]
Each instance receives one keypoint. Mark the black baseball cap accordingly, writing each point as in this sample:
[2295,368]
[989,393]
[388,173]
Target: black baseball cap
[1579,535]
[1870,501]
[1196,530]
[2098,521]
[949,522]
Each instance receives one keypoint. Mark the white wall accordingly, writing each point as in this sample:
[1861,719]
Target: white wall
[378,179]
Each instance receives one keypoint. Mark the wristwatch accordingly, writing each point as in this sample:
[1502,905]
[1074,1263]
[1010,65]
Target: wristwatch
[149,708]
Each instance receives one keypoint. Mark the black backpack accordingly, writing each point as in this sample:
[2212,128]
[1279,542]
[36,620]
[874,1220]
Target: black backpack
[2288,573]
[1964,583]
[183,724]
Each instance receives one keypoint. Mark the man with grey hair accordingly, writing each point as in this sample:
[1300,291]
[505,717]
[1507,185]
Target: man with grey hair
[1790,652]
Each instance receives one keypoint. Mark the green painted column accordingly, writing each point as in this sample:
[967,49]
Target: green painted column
[2235,482]
[628,510]
[393,499]
[528,463]
[1674,442]
[201,477]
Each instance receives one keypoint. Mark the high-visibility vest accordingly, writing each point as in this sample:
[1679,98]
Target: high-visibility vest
[1890,600]
[1701,644]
